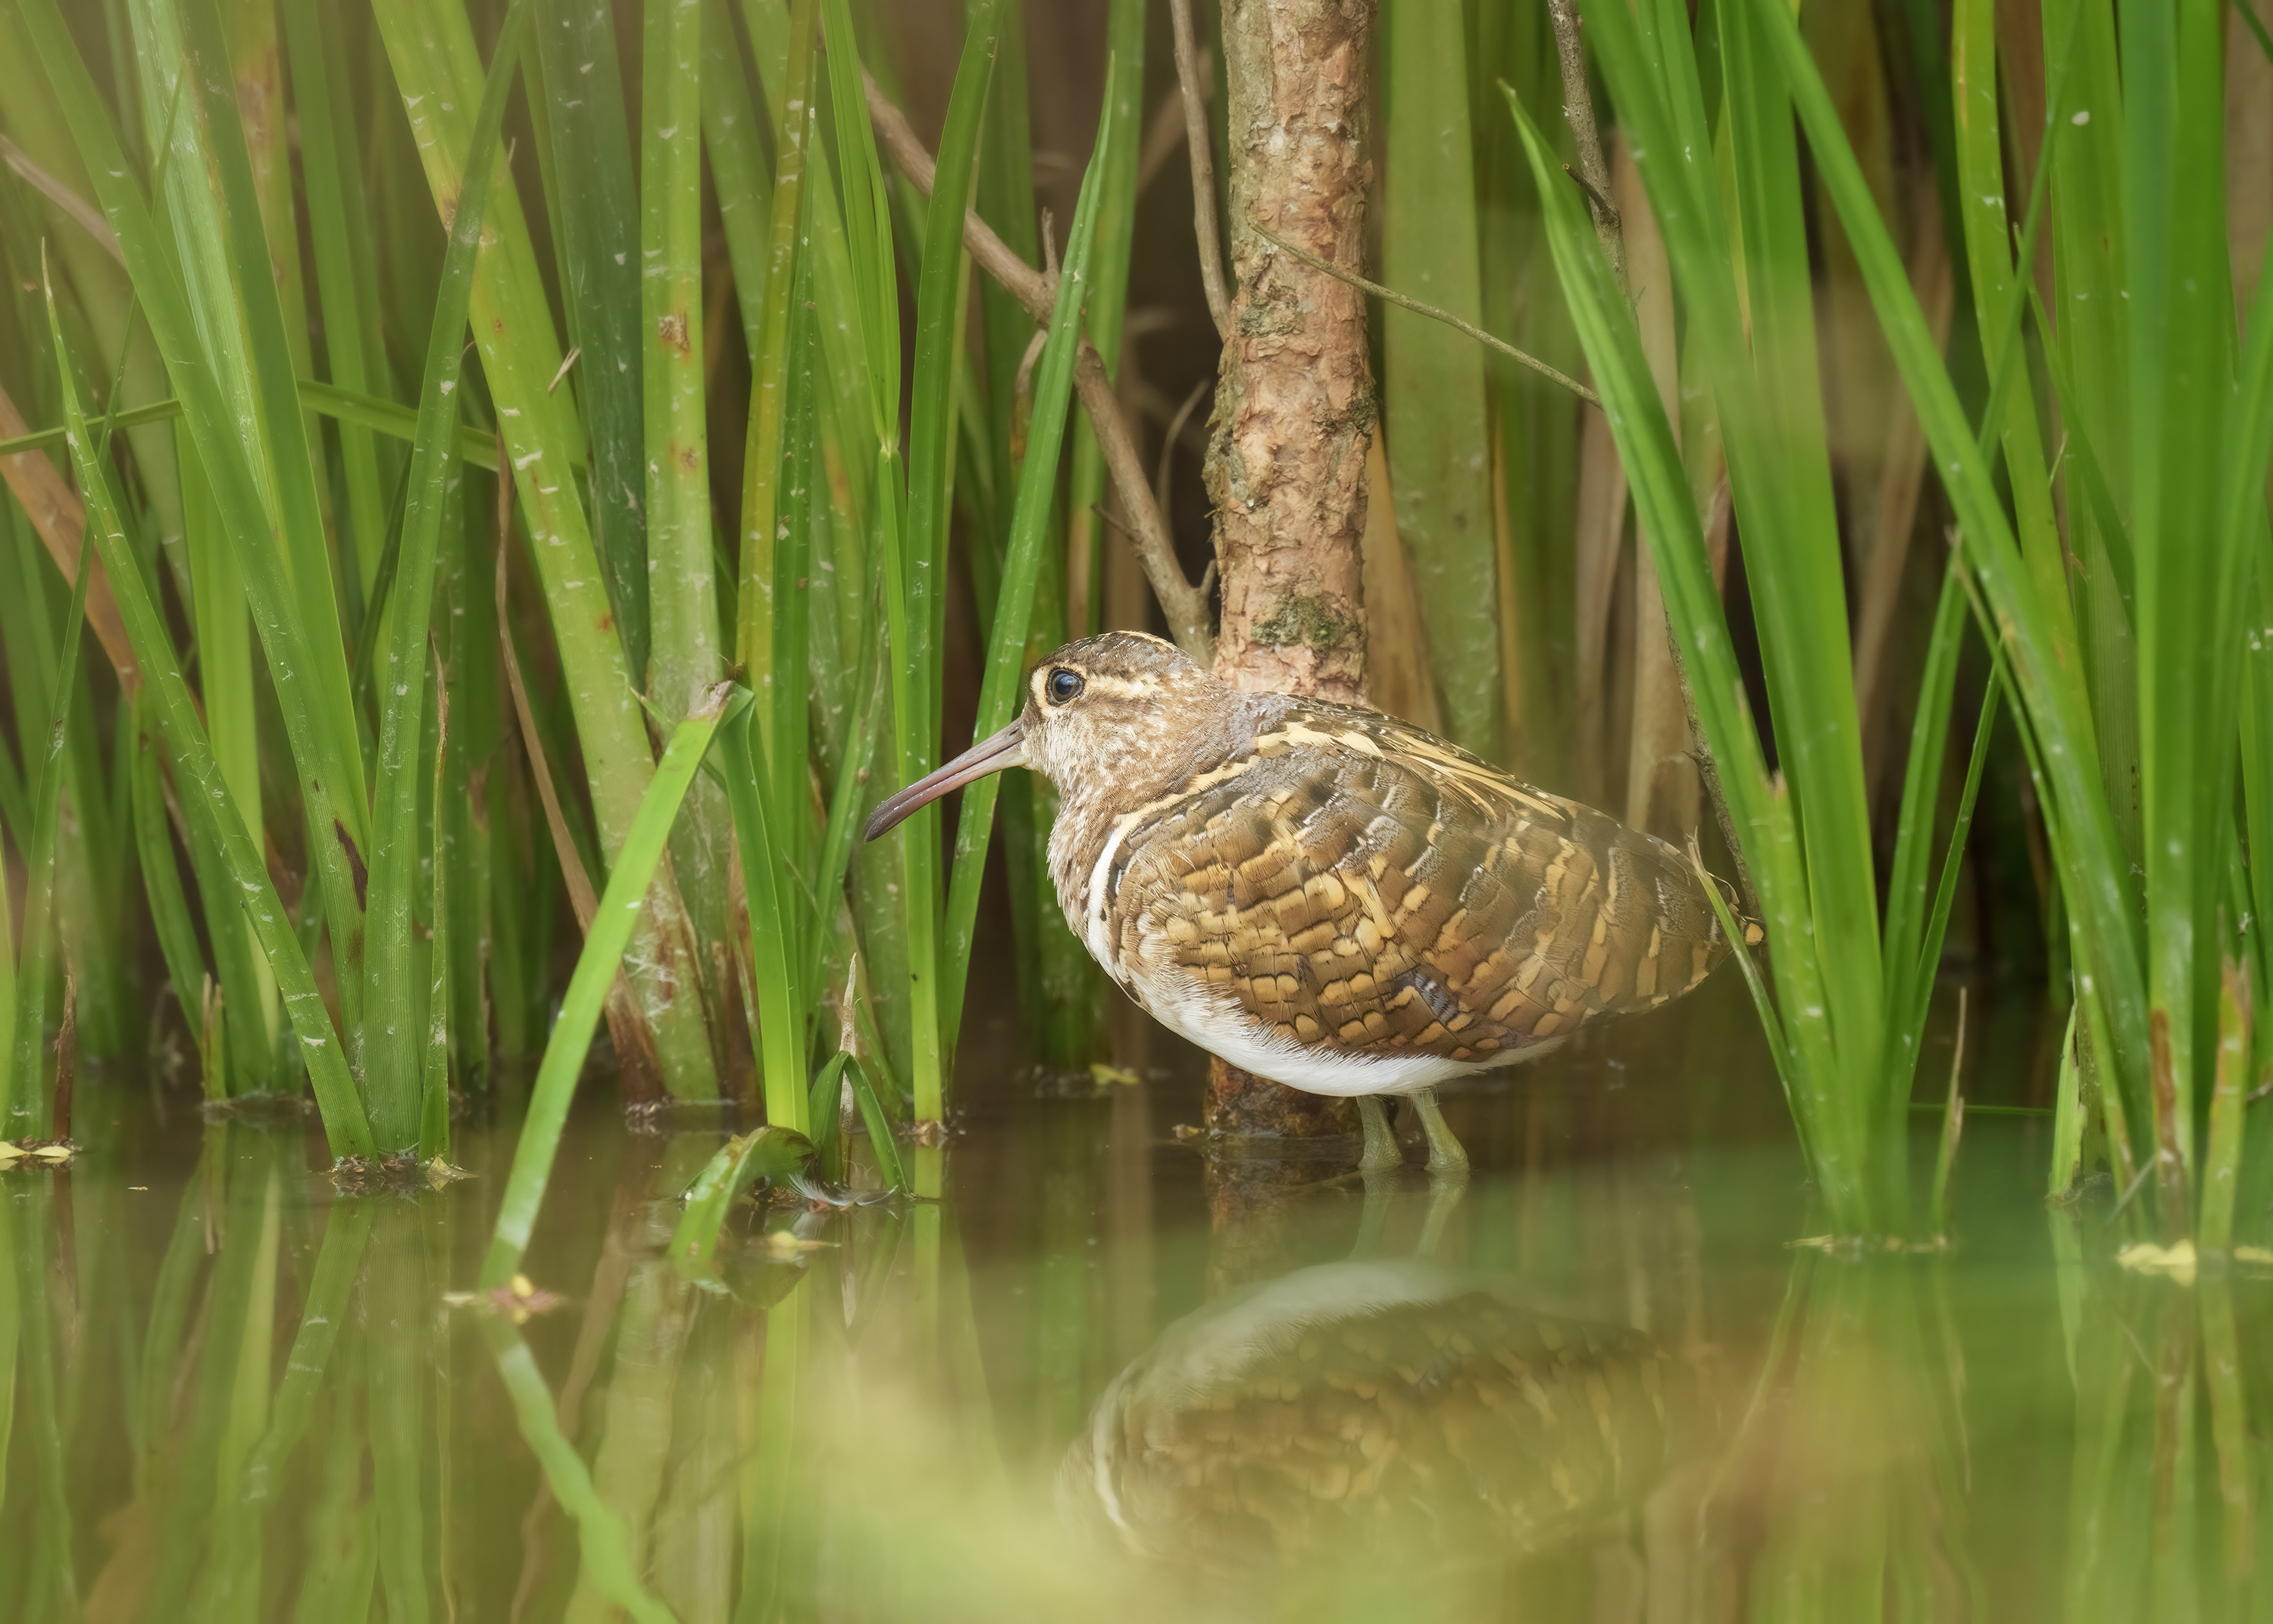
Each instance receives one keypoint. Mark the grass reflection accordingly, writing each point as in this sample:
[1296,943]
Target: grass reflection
[1605,1391]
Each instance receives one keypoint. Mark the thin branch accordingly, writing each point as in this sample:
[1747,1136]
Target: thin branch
[1168,441]
[1594,175]
[1405,301]
[1185,605]
[1201,151]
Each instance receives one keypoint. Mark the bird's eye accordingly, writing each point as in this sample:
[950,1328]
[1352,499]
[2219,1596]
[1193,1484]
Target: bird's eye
[1063,686]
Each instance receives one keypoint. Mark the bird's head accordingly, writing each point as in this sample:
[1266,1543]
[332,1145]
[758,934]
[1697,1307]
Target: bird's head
[1121,714]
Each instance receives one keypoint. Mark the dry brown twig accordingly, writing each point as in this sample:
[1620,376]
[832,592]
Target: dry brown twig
[1202,157]
[1407,301]
[1185,605]
[1594,174]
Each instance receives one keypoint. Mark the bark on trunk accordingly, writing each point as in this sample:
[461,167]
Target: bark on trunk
[1294,404]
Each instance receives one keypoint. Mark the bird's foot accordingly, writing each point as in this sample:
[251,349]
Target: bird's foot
[1446,1158]
[1381,1153]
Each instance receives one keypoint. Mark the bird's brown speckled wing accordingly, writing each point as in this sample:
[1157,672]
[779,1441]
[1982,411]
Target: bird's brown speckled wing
[1365,888]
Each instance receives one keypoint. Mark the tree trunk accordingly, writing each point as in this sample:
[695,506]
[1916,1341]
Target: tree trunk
[1294,404]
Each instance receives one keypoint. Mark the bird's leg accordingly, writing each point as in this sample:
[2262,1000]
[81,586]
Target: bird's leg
[1381,1151]
[1444,1153]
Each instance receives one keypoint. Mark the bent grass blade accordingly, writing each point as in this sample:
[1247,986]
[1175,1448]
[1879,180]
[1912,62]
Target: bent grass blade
[613,926]
[772,1154]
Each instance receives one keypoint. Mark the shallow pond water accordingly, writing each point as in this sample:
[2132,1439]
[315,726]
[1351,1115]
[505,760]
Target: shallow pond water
[1103,1376]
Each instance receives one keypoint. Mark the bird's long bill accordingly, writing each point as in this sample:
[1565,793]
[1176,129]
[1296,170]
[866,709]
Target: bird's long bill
[990,754]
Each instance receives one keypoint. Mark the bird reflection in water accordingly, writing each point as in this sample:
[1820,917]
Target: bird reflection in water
[1373,1399]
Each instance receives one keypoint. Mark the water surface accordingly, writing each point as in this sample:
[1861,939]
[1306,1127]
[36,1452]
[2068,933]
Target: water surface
[1104,1376]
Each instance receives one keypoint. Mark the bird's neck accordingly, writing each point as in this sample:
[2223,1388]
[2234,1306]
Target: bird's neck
[1091,804]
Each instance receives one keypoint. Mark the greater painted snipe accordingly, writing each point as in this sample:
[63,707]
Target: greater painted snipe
[1326,896]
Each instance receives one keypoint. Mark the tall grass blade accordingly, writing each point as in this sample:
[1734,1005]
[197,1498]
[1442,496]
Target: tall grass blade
[1002,691]
[207,800]
[770,359]
[915,599]
[597,238]
[1432,378]
[2056,706]
[27,1099]
[1762,817]
[394,1031]
[774,960]
[338,232]
[434,1069]
[739,171]
[1108,304]
[914,557]
[878,1120]
[612,929]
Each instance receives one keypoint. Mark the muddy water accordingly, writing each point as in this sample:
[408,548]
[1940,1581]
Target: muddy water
[1103,1377]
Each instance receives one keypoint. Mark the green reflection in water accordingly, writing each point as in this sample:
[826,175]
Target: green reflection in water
[1098,1378]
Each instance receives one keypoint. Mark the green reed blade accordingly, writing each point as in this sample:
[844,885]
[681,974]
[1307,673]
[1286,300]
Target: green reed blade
[2114,535]
[837,842]
[739,172]
[613,928]
[2221,1179]
[1686,172]
[1432,384]
[2089,226]
[781,1009]
[313,656]
[337,217]
[394,1035]
[206,797]
[1762,815]
[1919,989]
[2096,873]
[436,67]
[1003,195]
[1907,901]
[1002,691]
[1998,300]
[26,1103]
[2191,570]
[316,719]
[770,363]
[434,1078]
[772,26]
[867,225]
[775,1155]
[1779,476]
[1108,305]
[824,1115]
[597,231]
[683,601]
[878,1120]
[600,1539]
[916,584]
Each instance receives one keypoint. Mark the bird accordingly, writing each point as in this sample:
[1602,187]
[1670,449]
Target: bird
[1328,897]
